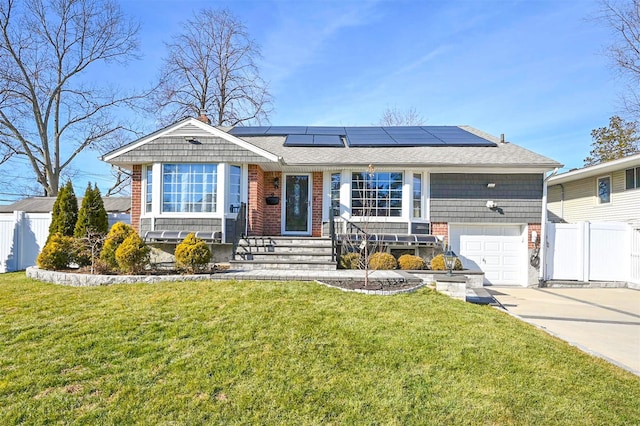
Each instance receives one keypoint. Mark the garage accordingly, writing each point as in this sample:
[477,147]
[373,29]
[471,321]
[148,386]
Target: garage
[500,251]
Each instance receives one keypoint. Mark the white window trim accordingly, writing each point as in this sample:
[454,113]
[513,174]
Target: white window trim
[636,170]
[598,202]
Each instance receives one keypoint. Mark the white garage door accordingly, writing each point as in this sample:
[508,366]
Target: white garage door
[499,251]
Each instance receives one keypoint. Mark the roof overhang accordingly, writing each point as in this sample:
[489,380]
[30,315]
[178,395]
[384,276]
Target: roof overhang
[112,157]
[597,170]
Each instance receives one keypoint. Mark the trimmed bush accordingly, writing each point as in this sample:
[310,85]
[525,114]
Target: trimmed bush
[381,260]
[118,233]
[57,253]
[132,255]
[411,262]
[65,212]
[437,264]
[192,254]
[350,261]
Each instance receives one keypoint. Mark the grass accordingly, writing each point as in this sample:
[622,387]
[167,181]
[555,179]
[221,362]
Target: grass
[287,353]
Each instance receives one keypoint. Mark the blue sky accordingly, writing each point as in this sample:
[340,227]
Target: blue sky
[533,70]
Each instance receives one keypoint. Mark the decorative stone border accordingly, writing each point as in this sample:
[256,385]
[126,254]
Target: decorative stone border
[88,280]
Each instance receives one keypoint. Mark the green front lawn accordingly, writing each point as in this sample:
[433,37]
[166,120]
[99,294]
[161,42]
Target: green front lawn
[287,353]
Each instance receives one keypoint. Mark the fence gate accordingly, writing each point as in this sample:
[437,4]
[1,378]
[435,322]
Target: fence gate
[587,251]
[635,255]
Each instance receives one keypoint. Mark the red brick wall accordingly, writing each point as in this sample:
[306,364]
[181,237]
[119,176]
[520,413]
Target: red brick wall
[136,196]
[440,228]
[534,227]
[272,214]
[255,207]
[316,205]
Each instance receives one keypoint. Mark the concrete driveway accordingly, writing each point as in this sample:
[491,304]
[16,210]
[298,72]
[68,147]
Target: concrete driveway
[604,322]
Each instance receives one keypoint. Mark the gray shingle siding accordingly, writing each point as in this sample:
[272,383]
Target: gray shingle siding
[182,224]
[176,149]
[463,197]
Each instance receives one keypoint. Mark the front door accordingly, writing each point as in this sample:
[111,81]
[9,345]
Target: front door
[297,209]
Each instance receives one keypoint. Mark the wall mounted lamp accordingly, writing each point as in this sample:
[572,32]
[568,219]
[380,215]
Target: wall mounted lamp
[491,185]
[491,205]
[276,182]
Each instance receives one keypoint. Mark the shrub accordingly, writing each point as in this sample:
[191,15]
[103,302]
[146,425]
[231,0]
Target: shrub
[411,262]
[437,263]
[64,214]
[57,252]
[192,254]
[118,233]
[381,260]
[92,217]
[132,255]
[350,261]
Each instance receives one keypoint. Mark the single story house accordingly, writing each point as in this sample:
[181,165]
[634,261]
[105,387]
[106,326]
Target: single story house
[481,194]
[24,227]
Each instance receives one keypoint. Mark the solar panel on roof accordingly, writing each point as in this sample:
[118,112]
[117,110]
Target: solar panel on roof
[247,131]
[327,140]
[287,130]
[455,136]
[326,130]
[299,140]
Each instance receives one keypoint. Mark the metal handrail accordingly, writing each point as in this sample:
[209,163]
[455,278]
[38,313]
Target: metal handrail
[239,228]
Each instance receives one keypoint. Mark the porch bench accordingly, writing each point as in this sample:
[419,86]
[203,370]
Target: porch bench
[178,236]
[396,239]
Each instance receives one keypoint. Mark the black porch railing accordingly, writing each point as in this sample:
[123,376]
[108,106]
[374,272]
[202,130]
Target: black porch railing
[239,228]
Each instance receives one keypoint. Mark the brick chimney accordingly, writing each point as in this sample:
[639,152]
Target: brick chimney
[203,117]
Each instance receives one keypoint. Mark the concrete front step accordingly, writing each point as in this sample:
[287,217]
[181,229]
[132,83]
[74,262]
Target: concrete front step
[283,264]
[285,242]
[284,253]
[284,249]
[284,256]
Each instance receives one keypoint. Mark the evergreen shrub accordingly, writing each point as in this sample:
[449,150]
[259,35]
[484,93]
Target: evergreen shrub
[411,262]
[132,255]
[192,254]
[381,260]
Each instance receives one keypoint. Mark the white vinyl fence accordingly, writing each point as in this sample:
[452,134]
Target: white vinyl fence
[22,236]
[592,251]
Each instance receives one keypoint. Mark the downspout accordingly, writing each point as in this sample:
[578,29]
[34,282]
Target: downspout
[542,272]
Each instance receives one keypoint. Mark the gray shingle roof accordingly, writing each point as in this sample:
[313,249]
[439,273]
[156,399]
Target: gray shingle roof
[45,205]
[502,155]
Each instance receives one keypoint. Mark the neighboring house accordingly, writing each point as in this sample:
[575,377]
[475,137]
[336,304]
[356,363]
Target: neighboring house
[605,192]
[484,195]
[594,234]
[24,227]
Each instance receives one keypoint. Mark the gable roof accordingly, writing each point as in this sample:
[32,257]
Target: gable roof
[597,170]
[45,205]
[185,129]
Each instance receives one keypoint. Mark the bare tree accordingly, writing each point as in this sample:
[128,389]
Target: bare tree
[212,67]
[395,117]
[623,18]
[50,111]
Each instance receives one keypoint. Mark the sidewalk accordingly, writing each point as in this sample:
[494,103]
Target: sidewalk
[604,322]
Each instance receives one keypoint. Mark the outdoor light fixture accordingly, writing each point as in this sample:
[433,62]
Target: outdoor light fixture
[449,260]
[491,185]
[192,140]
[276,182]
[491,205]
